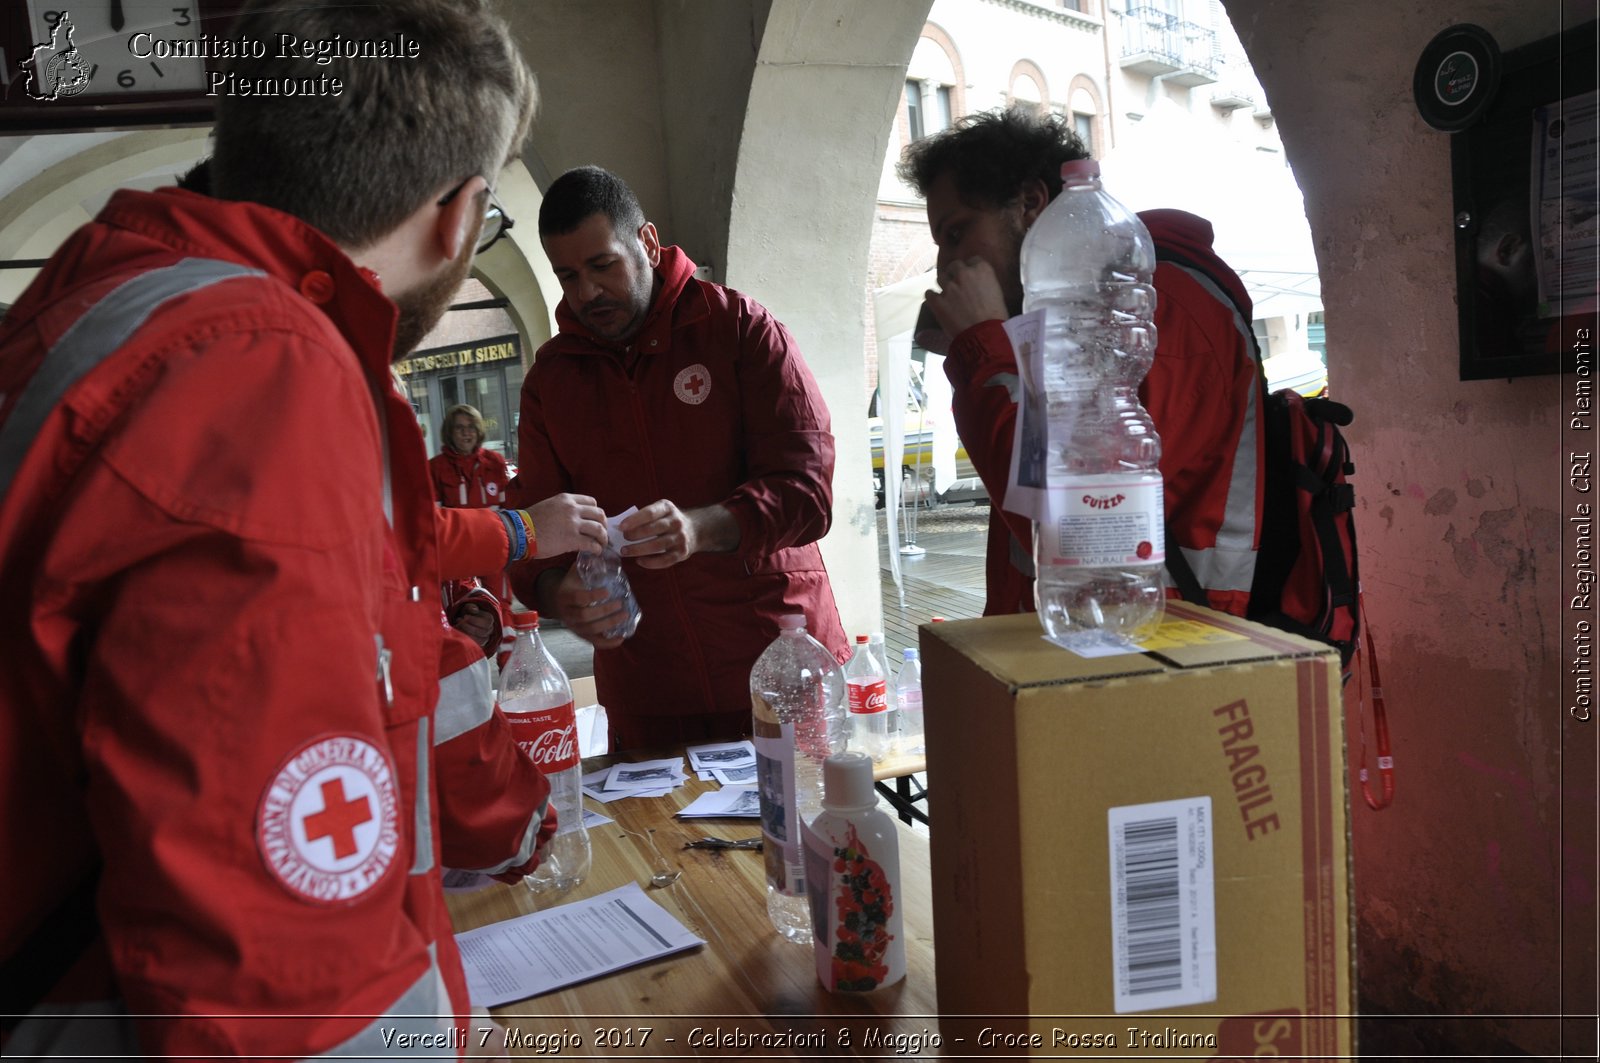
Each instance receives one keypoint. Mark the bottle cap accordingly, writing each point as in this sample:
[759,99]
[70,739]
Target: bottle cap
[528,621]
[847,781]
[791,621]
[909,653]
[1079,169]
[860,639]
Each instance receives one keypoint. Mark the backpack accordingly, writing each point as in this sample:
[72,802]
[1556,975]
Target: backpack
[1306,578]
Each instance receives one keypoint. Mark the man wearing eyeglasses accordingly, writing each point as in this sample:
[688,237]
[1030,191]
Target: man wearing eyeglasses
[230,779]
[691,402]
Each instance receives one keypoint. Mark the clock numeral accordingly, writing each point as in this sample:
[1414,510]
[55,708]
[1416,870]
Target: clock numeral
[125,79]
[183,16]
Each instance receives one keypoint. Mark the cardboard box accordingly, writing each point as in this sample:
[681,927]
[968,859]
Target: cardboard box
[1145,852]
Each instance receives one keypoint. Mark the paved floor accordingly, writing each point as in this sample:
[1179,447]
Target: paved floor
[945,580]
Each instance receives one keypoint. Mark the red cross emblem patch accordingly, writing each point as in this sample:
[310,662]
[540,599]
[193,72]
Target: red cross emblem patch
[693,385]
[328,824]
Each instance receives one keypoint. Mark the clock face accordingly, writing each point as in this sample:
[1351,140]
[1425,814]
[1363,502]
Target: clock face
[98,48]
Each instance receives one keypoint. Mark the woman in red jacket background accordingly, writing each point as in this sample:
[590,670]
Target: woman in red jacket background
[465,474]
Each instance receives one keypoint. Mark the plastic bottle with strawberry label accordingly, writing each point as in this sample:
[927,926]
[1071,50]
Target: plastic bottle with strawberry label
[537,701]
[867,685]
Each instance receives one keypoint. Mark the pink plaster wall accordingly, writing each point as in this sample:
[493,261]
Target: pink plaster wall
[1465,886]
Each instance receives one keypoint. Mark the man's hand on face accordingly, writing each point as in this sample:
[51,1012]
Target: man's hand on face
[585,612]
[969,294]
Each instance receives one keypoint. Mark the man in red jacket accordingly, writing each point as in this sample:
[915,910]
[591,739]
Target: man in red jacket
[691,402]
[237,746]
[986,180]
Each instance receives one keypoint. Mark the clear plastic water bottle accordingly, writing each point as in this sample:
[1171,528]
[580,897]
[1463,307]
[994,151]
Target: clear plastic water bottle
[867,686]
[797,709]
[1090,263]
[908,702]
[537,700]
[603,571]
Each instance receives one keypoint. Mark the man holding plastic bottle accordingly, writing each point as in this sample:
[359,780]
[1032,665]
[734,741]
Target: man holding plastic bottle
[986,180]
[691,402]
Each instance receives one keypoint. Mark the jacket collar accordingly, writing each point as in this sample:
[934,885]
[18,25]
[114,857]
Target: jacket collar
[282,245]
[678,302]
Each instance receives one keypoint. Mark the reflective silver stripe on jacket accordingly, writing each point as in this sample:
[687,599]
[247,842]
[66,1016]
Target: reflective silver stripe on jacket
[95,336]
[418,1024]
[1230,565]
[424,811]
[466,701]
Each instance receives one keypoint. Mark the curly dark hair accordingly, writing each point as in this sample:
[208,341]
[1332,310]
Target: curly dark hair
[587,190]
[992,153]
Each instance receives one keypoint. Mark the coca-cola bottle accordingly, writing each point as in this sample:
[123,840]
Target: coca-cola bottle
[867,684]
[537,701]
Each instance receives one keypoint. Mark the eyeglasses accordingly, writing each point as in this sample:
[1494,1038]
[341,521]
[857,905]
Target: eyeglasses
[496,222]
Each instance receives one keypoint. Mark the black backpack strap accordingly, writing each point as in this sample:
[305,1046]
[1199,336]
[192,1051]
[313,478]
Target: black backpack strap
[49,952]
[1183,576]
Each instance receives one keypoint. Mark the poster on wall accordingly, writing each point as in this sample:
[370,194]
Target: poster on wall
[1526,203]
[1566,175]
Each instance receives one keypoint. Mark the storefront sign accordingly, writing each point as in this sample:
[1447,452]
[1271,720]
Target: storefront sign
[498,349]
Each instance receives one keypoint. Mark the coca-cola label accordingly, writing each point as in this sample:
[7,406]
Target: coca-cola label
[549,736]
[868,695]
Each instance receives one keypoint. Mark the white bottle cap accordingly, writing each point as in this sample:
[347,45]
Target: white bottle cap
[847,781]
[791,621]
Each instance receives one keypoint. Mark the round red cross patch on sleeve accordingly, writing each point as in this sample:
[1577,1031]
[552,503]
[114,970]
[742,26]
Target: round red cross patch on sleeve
[693,385]
[328,824]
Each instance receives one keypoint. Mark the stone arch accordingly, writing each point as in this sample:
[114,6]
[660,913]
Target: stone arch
[42,211]
[828,79]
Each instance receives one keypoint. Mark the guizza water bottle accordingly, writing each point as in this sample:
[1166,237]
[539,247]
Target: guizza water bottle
[796,702]
[1089,262]
[537,701]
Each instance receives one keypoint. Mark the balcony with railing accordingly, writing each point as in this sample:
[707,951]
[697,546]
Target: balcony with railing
[1157,43]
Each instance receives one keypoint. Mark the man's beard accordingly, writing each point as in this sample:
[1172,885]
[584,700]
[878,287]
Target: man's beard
[421,308]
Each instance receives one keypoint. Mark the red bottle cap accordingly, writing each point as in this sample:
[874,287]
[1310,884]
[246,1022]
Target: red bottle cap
[528,621]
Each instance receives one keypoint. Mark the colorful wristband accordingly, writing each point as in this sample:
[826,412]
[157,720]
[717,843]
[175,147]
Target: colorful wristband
[531,540]
[516,534]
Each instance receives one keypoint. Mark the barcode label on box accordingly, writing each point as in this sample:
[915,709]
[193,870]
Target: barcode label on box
[1163,918]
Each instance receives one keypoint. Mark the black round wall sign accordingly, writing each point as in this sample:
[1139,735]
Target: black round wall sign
[1456,77]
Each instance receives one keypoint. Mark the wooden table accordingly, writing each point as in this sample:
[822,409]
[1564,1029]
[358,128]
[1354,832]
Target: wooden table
[747,991]
[894,782]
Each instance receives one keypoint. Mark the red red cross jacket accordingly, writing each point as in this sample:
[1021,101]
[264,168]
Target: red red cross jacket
[711,403]
[1203,391]
[469,480]
[223,664]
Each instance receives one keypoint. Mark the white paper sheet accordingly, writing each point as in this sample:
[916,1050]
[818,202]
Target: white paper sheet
[730,801]
[646,775]
[721,755]
[567,944]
